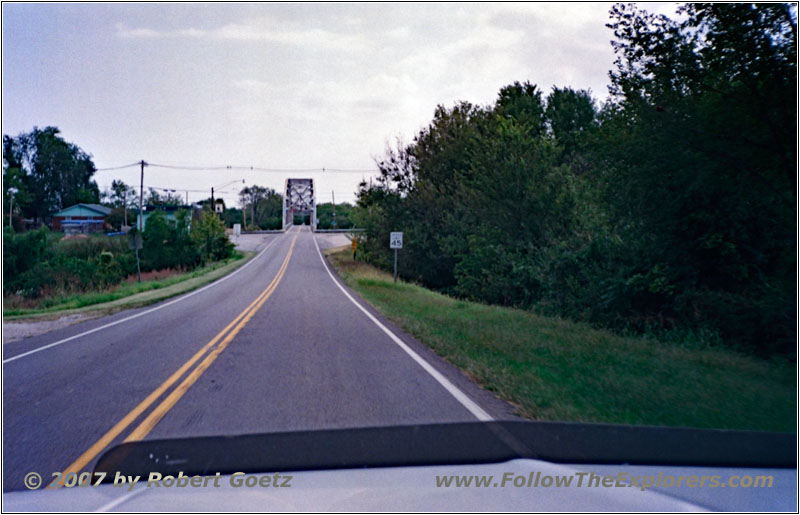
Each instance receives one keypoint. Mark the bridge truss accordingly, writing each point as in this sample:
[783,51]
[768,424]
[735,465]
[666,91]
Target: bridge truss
[299,199]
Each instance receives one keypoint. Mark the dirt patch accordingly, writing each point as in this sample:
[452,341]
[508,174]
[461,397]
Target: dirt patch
[15,331]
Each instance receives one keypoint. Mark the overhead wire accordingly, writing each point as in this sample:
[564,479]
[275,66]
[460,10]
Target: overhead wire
[118,167]
[236,167]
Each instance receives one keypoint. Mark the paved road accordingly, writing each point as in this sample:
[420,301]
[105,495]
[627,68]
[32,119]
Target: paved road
[276,346]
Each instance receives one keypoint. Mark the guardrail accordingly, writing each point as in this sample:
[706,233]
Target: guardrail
[276,231]
[340,230]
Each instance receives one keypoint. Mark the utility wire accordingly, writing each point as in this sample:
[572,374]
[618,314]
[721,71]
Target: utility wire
[118,167]
[245,168]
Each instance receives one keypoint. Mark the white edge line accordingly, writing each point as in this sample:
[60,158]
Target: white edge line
[460,396]
[137,315]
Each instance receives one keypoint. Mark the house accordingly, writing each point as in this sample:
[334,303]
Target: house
[81,218]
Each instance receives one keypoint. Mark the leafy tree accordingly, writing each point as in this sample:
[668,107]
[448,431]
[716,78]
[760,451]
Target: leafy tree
[344,214]
[232,216]
[170,245]
[523,103]
[49,172]
[671,207]
[700,165]
[209,235]
[570,115]
[122,195]
[264,207]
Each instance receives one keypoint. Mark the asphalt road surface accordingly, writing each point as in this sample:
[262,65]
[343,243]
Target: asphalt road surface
[279,345]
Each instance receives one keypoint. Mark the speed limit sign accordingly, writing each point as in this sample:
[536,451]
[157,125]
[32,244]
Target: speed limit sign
[396,243]
[396,240]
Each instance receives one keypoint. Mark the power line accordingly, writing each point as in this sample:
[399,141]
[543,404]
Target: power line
[118,167]
[244,168]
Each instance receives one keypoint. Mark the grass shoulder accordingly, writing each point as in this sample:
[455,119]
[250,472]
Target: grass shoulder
[555,369]
[132,295]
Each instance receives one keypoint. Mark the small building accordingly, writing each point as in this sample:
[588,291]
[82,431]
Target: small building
[81,218]
[219,205]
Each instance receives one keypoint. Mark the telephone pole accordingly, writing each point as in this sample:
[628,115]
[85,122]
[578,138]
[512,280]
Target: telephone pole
[138,237]
[141,197]
[333,195]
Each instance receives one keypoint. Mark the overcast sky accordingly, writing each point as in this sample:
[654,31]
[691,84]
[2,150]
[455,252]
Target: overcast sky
[277,85]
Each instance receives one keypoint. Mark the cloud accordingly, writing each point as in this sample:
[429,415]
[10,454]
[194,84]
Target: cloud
[125,32]
[262,29]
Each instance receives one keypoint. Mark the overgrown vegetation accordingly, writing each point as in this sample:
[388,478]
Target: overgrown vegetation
[554,369]
[125,295]
[344,215]
[670,208]
[40,264]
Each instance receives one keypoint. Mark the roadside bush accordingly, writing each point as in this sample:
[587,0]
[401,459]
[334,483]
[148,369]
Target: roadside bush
[208,234]
[170,246]
[22,252]
[41,263]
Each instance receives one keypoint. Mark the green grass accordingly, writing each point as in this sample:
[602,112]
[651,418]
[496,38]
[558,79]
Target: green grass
[554,369]
[134,294]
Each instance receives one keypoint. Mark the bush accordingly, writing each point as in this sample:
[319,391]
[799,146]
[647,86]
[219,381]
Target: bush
[208,233]
[40,263]
[167,245]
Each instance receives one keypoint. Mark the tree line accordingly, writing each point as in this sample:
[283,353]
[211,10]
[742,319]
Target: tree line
[670,207]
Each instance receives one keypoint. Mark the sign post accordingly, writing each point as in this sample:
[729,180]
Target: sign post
[396,243]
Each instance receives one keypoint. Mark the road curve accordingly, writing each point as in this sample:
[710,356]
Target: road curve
[277,346]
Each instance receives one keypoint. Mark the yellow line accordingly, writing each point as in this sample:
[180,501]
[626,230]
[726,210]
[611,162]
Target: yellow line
[158,413]
[128,419]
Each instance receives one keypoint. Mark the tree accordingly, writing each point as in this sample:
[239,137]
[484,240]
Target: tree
[523,103]
[210,236]
[344,214]
[698,151]
[265,207]
[570,116]
[51,173]
[122,195]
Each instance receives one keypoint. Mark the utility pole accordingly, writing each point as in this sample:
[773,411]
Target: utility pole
[11,192]
[141,197]
[333,195]
[125,208]
[244,211]
[139,236]
[213,207]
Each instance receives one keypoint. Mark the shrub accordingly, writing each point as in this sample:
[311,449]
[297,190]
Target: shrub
[208,233]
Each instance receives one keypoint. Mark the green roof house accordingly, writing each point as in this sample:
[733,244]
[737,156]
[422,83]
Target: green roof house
[81,218]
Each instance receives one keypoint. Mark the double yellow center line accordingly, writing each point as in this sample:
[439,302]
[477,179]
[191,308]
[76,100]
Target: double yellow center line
[218,344]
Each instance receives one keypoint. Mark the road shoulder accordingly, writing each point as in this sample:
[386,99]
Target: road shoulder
[498,408]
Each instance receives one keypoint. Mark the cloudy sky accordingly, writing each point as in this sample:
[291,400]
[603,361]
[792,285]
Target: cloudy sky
[277,85]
